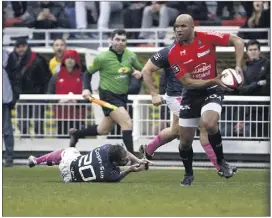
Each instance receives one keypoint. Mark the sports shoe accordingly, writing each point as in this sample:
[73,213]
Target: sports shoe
[226,170]
[187,180]
[73,138]
[234,169]
[144,154]
[31,161]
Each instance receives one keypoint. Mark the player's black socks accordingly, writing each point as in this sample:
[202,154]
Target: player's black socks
[216,142]
[89,131]
[187,159]
[128,140]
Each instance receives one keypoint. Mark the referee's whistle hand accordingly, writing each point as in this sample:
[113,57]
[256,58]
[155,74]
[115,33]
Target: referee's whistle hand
[137,74]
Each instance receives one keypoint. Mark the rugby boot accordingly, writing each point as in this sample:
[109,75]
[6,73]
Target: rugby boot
[187,180]
[226,170]
[144,154]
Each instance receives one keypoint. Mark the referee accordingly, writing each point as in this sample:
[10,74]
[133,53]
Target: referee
[117,67]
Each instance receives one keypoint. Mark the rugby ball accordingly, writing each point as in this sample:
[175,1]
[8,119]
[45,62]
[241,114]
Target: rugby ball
[231,78]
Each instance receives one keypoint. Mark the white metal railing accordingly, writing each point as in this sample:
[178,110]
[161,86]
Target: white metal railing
[52,119]
[101,39]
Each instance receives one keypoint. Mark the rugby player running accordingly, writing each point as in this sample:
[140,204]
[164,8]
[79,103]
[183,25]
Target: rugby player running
[193,60]
[173,98]
[116,66]
[99,165]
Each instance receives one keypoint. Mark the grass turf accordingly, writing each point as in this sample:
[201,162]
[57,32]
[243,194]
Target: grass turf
[40,192]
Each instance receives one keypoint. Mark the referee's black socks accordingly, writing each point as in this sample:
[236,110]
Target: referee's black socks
[187,159]
[128,140]
[89,131]
[216,142]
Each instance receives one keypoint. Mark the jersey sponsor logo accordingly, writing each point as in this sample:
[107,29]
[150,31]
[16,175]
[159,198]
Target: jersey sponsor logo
[214,33]
[189,61]
[200,44]
[202,70]
[157,56]
[213,96]
[201,54]
[99,160]
[185,107]
[175,69]
[121,76]
[123,70]
[182,52]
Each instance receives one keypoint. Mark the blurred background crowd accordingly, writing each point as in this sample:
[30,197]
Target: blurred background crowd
[135,14]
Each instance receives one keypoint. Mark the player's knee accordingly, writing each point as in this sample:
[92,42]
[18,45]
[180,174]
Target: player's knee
[211,126]
[185,144]
[175,130]
[126,124]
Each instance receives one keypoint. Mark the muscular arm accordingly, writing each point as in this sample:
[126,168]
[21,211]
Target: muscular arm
[133,158]
[147,71]
[238,44]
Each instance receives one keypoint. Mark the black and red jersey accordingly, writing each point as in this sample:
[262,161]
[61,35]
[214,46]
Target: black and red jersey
[197,58]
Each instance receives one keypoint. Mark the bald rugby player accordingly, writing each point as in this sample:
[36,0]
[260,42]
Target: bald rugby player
[193,61]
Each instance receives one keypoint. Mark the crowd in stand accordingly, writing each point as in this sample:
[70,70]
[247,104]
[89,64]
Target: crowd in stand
[96,15]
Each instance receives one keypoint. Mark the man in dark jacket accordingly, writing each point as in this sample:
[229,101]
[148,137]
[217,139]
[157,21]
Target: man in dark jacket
[256,72]
[29,74]
[8,102]
[256,83]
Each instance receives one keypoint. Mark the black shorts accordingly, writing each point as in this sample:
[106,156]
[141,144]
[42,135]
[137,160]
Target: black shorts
[193,105]
[118,100]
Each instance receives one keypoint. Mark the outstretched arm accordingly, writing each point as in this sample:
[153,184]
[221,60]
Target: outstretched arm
[239,45]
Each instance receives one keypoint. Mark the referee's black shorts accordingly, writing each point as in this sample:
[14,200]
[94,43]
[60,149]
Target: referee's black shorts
[118,100]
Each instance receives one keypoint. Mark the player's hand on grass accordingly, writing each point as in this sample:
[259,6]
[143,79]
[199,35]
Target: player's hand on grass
[157,100]
[86,93]
[145,161]
[137,74]
[137,167]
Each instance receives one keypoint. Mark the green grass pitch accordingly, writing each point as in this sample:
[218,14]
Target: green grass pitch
[40,192]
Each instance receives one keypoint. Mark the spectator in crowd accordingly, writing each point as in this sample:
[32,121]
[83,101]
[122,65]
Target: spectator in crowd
[51,15]
[31,74]
[198,10]
[69,79]
[221,5]
[59,46]
[256,72]
[69,8]
[160,12]
[8,103]
[16,14]
[105,9]
[133,17]
[259,18]
[81,14]
[256,83]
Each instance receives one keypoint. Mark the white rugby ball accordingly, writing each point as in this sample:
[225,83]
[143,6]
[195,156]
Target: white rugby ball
[231,78]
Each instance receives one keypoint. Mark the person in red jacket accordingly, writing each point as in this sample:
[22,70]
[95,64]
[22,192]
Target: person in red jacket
[69,80]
